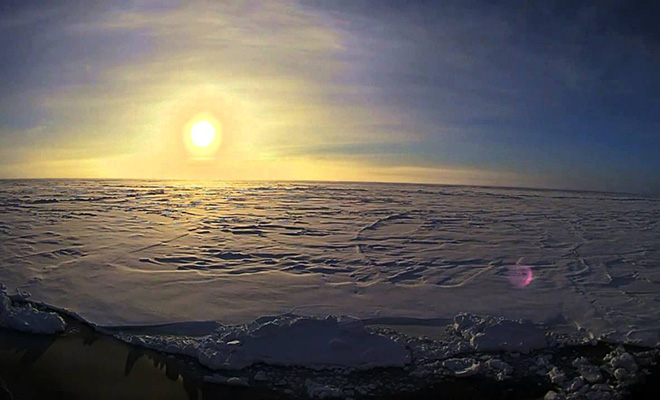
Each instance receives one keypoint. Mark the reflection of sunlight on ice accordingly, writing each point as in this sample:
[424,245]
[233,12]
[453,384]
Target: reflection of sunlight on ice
[520,275]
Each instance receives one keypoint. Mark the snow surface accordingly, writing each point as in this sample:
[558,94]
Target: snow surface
[25,318]
[499,334]
[123,253]
[284,341]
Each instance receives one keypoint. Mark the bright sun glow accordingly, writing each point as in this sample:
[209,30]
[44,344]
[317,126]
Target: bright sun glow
[202,133]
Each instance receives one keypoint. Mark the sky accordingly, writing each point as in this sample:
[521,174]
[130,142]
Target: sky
[557,94]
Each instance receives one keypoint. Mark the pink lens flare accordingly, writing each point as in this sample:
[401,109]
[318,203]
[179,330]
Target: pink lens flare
[520,275]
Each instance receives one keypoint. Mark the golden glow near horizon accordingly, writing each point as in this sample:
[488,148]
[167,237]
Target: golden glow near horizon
[202,133]
[254,100]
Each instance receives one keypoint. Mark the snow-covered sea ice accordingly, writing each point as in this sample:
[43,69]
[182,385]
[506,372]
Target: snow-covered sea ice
[193,269]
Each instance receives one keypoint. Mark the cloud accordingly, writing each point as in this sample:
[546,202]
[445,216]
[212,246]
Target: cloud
[279,66]
[355,87]
[293,64]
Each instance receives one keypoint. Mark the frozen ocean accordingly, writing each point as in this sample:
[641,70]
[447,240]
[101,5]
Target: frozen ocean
[426,279]
[120,253]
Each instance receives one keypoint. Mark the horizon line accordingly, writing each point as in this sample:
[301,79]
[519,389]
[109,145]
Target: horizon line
[341,181]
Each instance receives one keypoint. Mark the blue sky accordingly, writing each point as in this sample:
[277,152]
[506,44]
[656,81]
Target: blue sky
[515,93]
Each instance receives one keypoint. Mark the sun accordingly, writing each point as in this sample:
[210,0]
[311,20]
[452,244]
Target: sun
[202,134]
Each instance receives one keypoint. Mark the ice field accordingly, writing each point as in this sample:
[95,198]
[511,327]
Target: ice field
[127,253]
